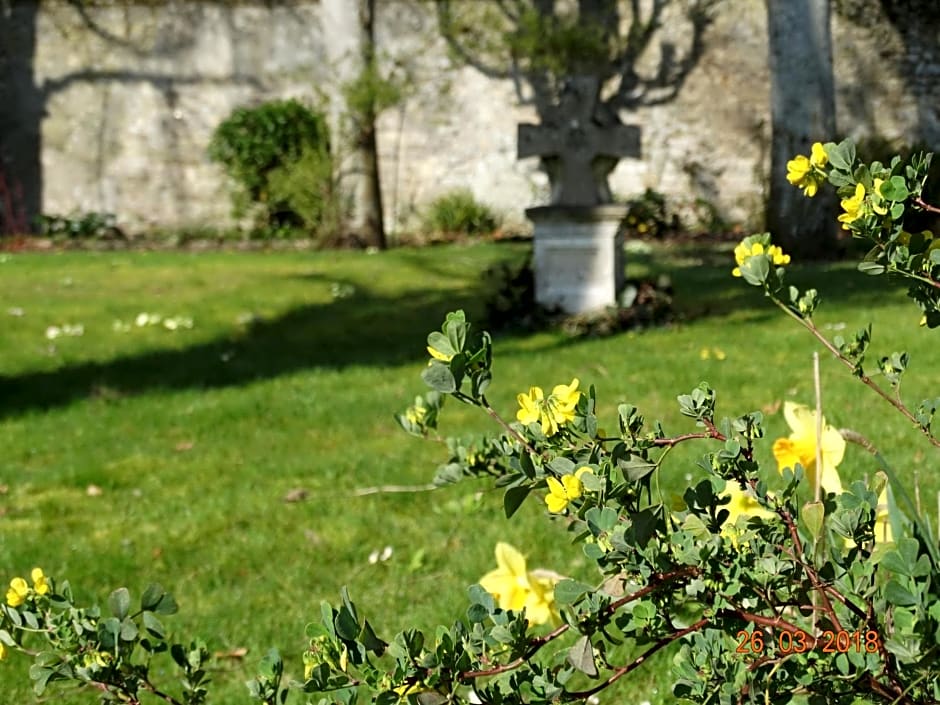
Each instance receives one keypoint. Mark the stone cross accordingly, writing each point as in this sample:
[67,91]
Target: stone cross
[579,151]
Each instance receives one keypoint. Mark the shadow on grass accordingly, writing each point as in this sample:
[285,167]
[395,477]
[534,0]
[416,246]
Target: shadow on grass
[363,329]
[369,329]
[701,278]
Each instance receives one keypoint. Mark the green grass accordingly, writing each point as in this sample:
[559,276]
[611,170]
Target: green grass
[195,436]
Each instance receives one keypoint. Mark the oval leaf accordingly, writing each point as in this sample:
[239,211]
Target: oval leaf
[581,656]
[120,602]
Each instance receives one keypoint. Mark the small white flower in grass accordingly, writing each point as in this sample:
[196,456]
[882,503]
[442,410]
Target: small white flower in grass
[342,291]
[74,330]
[382,555]
[147,319]
[53,332]
[16,311]
[177,322]
[120,327]
[372,250]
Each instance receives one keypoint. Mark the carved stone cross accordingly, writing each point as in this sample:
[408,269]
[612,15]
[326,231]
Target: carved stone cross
[579,151]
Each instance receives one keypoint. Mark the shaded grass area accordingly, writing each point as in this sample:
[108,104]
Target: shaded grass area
[289,379]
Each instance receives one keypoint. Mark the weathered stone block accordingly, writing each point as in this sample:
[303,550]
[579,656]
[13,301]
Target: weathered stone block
[579,262]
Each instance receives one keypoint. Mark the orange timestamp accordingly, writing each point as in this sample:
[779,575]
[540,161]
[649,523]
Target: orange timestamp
[799,641]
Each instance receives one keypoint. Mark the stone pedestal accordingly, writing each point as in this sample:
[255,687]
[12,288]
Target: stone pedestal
[578,259]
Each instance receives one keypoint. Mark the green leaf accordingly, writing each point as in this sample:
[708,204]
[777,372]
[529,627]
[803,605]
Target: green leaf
[439,377]
[119,602]
[814,516]
[568,591]
[635,469]
[109,631]
[755,270]
[152,597]
[581,656]
[903,559]
[562,465]
[871,268]
[842,155]
[514,498]
[430,697]
[897,594]
[346,625]
[153,626]
[479,596]
[129,631]
[371,641]
[271,665]
[477,614]
[441,343]
[895,189]
[326,615]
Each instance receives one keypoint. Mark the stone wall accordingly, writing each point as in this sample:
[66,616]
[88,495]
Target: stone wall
[117,104]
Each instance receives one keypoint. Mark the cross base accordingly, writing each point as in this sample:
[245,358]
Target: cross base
[578,262]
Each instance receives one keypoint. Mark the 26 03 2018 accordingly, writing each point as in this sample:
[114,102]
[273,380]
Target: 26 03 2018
[799,641]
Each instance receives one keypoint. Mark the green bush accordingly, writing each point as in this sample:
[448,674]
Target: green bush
[278,155]
[99,226]
[459,212]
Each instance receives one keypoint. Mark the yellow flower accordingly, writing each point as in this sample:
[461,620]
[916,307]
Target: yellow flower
[742,504]
[553,412]
[416,414]
[878,203]
[404,691]
[561,405]
[777,256]
[438,355]
[3,651]
[560,493]
[852,207]
[530,405]
[798,169]
[818,156]
[514,588]
[743,252]
[807,172]
[747,249]
[800,447]
[40,582]
[17,593]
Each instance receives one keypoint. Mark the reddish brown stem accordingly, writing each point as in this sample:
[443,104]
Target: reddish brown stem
[636,663]
[921,203]
[541,641]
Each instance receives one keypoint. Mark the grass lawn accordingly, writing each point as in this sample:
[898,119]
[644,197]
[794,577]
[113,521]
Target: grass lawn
[289,378]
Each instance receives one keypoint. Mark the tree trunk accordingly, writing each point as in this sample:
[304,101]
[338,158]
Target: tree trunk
[349,32]
[21,111]
[802,112]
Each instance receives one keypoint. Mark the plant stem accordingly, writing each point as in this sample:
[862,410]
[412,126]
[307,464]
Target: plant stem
[866,380]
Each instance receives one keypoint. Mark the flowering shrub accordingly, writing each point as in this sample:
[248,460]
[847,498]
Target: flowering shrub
[811,589]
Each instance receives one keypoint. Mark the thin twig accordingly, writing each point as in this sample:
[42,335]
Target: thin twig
[926,206]
[863,377]
[636,663]
[485,405]
[388,489]
[538,642]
